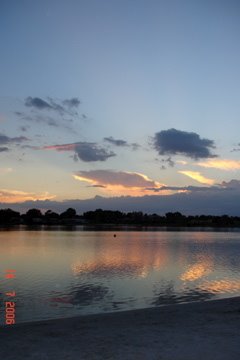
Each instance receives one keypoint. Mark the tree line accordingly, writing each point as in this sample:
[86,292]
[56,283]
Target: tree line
[99,216]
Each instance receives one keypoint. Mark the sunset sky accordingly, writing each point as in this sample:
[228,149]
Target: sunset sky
[120,98]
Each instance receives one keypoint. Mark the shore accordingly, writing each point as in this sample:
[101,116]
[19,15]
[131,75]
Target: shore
[196,331]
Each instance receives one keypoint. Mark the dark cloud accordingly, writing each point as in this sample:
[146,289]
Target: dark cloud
[92,152]
[4,149]
[50,121]
[174,142]
[45,119]
[119,142]
[4,139]
[24,128]
[232,184]
[31,147]
[169,161]
[38,103]
[55,113]
[85,151]
[63,108]
[39,118]
[97,186]
[236,149]
[74,102]
[185,188]
[55,106]
[135,146]
[116,142]
[75,157]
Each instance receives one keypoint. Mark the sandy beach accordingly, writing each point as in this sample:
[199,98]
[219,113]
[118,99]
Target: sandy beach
[204,330]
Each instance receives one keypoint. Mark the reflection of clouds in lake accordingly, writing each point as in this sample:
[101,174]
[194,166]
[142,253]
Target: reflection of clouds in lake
[123,258]
[168,295]
[197,271]
[221,286]
[109,269]
[85,294]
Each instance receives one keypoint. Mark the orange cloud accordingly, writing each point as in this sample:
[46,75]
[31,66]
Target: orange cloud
[14,196]
[198,177]
[224,164]
[119,182]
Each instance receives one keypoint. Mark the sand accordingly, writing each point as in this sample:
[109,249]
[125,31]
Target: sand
[198,331]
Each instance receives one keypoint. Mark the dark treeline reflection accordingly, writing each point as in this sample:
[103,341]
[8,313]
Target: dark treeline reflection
[99,216]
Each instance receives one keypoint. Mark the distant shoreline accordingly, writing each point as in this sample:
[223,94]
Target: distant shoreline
[108,218]
[117,227]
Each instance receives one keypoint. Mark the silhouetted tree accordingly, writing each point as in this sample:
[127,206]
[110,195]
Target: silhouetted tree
[175,218]
[49,214]
[33,216]
[51,217]
[9,216]
[70,213]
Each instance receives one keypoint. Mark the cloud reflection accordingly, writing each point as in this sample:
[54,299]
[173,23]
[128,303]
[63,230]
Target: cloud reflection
[137,261]
[197,271]
[167,294]
[221,286]
[85,294]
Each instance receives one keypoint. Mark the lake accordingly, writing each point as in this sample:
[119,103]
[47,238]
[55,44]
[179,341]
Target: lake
[62,273]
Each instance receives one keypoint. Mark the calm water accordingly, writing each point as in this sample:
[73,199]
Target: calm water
[67,273]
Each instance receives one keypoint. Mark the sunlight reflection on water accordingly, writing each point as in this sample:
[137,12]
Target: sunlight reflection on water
[67,273]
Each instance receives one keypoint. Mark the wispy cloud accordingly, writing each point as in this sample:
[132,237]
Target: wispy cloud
[16,196]
[236,149]
[177,142]
[85,151]
[167,161]
[188,188]
[51,112]
[72,103]
[230,185]
[4,139]
[4,149]
[9,141]
[24,128]
[116,142]
[198,177]
[39,119]
[121,143]
[181,162]
[64,107]
[5,170]
[38,103]
[224,164]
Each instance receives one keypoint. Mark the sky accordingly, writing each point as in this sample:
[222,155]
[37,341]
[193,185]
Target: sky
[130,105]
